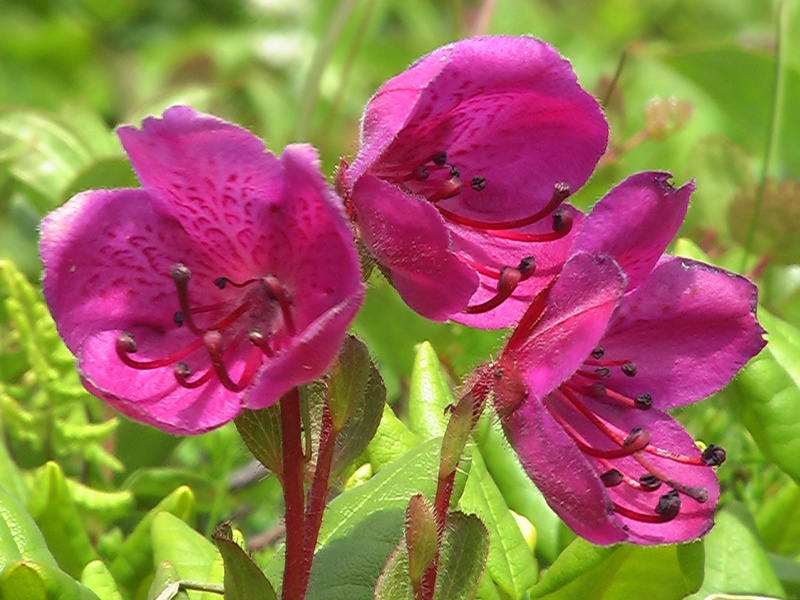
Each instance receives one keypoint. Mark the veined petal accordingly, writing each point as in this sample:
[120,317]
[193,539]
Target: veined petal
[407,236]
[508,109]
[107,257]
[215,178]
[689,328]
[635,222]
[577,314]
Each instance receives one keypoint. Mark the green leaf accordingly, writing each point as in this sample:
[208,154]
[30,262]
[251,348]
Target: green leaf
[356,395]
[767,395]
[778,520]
[166,576]
[736,563]
[97,578]
[392,440]
[429,395]
[510,562]
[261,433]
[587,571]
[106,506]
[50,504]
[461,564]
[193,556]
[365,524]
[788,573]
[20,537]
[104,173]
[394,582]
[33,581]
[243,578]
[134,561]
[421,537]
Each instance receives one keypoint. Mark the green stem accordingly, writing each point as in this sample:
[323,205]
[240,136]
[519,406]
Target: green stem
[293,494]
[774,127]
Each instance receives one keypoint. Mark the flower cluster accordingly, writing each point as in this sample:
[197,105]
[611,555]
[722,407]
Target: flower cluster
[231,276]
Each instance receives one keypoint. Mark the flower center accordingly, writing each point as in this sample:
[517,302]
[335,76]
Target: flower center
[624,457]
[244,314]
[437,179]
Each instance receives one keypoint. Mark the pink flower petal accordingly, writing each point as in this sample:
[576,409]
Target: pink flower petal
[689,328]
[635,222]
[578,310]
[407,236]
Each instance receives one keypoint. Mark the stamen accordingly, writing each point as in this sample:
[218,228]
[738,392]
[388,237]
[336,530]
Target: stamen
[564,227]
[212,340]
[508,282]
[645,518]
[698,493]
[183,372]
[181,275]
[449,188]
[560,193]
[281,294]
[627,479]
[531,316]
[642,401]
[126,345]
[611,478]
[714,455]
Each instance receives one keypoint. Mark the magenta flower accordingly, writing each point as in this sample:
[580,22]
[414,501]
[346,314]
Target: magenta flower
[586,377]
[224,282]
[464,163]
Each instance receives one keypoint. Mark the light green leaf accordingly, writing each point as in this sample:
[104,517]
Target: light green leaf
[97,578]
[392,440]
[20,537]
[736,563]
[510,562]
[33,581]
[429,395]
[193,556]
[619,572]
[50,504]
[778,520]
[767,395]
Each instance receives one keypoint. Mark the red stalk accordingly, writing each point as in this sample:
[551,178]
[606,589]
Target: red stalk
[293,494]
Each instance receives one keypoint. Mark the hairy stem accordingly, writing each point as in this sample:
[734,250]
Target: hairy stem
[318,494]
[294,498]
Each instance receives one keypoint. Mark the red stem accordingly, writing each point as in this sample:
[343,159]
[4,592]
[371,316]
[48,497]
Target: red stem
[293,494]
[441,506]
[318,494]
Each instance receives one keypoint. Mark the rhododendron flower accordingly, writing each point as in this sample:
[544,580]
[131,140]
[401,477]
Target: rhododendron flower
[224,282]
[459,181]
[622,335]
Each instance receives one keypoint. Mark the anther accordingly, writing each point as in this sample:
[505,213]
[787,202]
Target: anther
[611,478]
[126,343]
[669,505]
[420,173]
[180,273]
[177,318]
[455,172]
[603,372]
[527,266]
[714,455]
[644,401]
[561,191]
[629,368]
[649,482]
[560,219]
[638,438]
[439,158]
[478,183]
[279,293]
[598,353]
[221,282]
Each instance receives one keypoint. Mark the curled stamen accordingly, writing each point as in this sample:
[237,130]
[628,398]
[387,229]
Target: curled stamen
[560,193]
[183,372]
[508,282]
[531,316]
[645,518]
[212,340]
[281,294]
[564,227]
[698,493]
[449,188]
[181,275]
[126,345]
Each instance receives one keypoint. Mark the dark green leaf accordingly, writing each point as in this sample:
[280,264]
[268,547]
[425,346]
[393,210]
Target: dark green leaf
[261,432]
[243,578]
[463,557]
[394,582]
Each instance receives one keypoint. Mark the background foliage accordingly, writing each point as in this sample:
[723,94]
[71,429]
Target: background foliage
[698,88]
